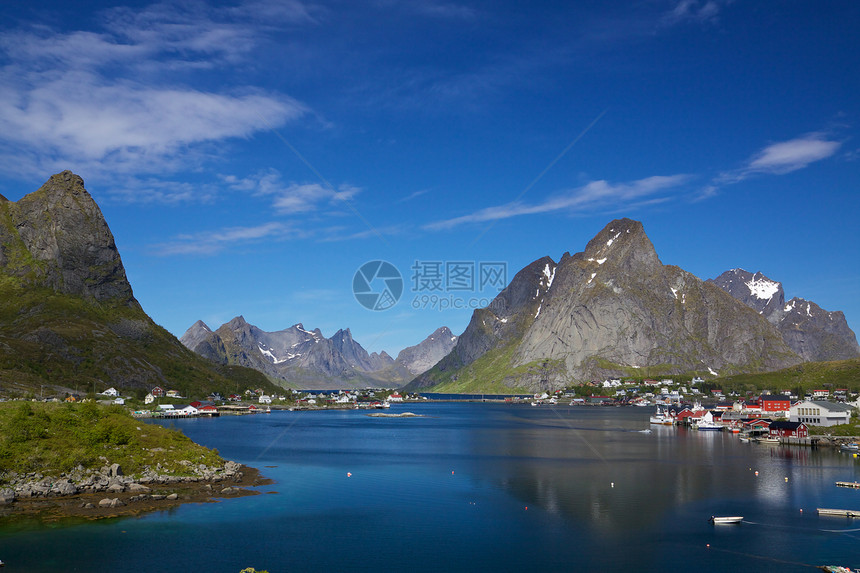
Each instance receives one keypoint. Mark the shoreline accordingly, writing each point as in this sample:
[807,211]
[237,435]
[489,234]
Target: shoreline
[131,497]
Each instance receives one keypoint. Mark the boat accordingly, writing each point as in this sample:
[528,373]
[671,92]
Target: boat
[662,418]
[767,440]
[726,519]
[852,448]
[836,569]
[706,423]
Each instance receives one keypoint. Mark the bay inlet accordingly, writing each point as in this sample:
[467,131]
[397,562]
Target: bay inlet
[475,486]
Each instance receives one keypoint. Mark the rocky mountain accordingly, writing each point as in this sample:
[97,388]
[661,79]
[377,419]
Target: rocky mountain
[815,334]
[57,237]
[300,357]
[68,316]
[613,309]
[427,353]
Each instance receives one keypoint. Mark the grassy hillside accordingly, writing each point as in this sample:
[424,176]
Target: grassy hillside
[803,378]
[55,438]
[55,343]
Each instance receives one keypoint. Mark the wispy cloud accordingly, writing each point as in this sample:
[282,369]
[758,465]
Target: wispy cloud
[337,234]
[213,242]
[594,196]
[292,198]
[106,102]
[431,8]
[687,11]
[784,157]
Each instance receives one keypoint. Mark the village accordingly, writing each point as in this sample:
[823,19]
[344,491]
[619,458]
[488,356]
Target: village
[161,403]
[783,417]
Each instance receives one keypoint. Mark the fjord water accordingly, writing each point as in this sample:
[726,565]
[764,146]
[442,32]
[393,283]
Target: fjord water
[477,487]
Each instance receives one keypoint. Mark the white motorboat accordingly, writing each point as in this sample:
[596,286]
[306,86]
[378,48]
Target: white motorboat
[726,519]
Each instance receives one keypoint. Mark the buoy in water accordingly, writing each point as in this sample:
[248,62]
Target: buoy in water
[349,474]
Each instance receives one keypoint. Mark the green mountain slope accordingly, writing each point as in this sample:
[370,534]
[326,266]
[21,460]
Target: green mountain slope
[804,378]
[68,318]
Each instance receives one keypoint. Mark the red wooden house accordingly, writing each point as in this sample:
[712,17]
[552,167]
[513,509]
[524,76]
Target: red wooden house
[788,430]
[771,404]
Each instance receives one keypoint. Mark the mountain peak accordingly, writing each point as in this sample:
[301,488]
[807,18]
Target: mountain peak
[237,323]
[60,240]
[427,353]
[623,243]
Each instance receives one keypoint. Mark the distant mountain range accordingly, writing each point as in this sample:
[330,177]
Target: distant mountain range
[306,359]
[68,317]
[615,309]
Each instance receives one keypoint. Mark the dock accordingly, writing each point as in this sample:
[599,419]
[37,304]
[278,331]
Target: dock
[852,484]
[839,512]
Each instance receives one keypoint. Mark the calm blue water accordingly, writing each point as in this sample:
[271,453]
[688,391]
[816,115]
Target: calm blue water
[477,487]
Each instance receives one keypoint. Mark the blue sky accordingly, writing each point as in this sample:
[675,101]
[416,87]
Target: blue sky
[251,156]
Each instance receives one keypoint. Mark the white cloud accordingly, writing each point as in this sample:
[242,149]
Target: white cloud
[102,102]
[593,196]
[784,157]
[792,155]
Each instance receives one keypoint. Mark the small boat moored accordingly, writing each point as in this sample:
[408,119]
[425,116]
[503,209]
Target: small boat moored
[726,519]
[851,513]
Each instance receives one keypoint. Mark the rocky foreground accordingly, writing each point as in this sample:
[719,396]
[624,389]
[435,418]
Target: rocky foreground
[107,492]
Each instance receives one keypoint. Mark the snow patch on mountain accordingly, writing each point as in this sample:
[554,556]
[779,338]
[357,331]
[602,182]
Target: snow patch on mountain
[763,288]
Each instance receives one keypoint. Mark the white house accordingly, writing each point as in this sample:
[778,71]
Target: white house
[149,399]
[820,413]
[111,392]
[264,399]
[184,410]
[119,401]
[395,397]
